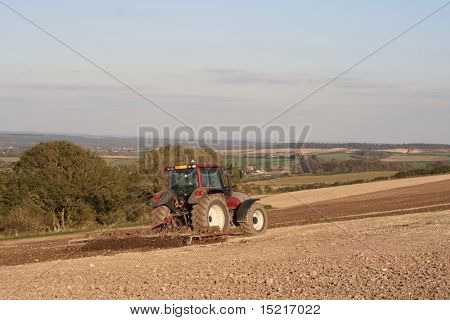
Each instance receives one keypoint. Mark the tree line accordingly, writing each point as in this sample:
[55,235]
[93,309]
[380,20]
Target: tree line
[317,166]
[58,186]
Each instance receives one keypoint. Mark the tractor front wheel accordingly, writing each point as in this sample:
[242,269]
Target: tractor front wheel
[255,221]
[211,214]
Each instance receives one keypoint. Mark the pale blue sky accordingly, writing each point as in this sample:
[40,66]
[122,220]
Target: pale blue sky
[228,62]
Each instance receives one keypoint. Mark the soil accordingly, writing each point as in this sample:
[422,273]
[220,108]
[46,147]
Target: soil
[95,244]
[422,198]
[425,197]
[286,200]
[395,257]
[394,246]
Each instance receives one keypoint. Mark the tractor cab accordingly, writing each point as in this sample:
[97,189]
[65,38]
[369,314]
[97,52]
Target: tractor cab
[184,179]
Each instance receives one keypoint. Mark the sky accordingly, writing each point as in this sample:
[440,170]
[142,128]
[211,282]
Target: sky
[228,63]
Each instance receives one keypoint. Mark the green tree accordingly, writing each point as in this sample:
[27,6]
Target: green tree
[154,161]
[71,186]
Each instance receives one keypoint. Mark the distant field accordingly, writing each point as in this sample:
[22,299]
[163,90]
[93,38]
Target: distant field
[418,150]
[118,157]
[9,159]
[418,158]
[120,161]
[440,154]
[421,164]
[258,162]
[329,179]
[285,200]
[278,151]
[336,156]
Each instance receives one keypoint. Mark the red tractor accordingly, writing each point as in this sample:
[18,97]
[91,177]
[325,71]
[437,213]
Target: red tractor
[203,198]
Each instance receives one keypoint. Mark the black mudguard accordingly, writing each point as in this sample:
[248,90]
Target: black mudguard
[240,214]
[167,199]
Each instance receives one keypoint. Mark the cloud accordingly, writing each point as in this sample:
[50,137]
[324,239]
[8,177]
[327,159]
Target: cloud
[347,85]
[363,87]
[237,76]
[67,87]
[204,98]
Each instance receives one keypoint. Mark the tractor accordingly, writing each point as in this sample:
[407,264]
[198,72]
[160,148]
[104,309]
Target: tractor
[203,198]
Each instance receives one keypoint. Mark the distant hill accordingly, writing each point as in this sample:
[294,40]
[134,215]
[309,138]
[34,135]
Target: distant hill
[12,143]
[365,146]
[16,143]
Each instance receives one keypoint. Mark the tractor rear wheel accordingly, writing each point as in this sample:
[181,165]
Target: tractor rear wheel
[255,221]
[159,214]
[211,214]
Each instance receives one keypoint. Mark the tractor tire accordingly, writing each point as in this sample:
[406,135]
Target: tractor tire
[255,220]
[159,214]
[211,214]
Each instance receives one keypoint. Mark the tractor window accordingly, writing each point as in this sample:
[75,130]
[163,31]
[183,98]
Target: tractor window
[183,181]
[212,178]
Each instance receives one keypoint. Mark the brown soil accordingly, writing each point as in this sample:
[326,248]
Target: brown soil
[425,197]
[109,243]
[422,198]
[395,257]
[286,200]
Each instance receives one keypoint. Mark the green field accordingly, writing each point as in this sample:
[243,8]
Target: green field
[120,161]
[328,179]
[259,161]
[274,162]
[421,164]
[335,156]
[439,154]
[9,159]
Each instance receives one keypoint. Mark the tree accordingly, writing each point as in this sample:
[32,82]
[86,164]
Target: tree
[70,185]
[154,161]
[9,194]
